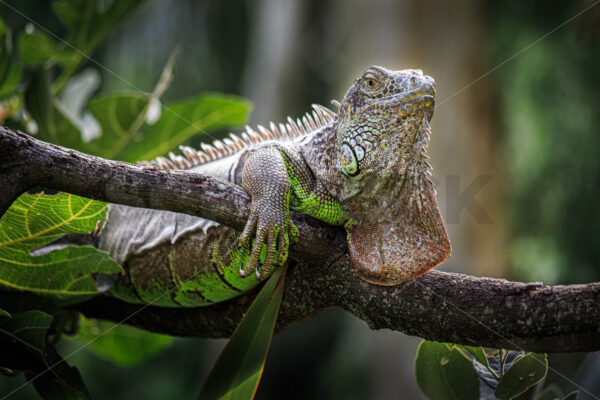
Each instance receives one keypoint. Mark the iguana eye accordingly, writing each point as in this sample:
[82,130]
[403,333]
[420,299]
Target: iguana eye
[370,81]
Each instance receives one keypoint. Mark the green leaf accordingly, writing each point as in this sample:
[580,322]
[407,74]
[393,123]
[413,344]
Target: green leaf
[23,340]
[53,125]
[10,74]
[492,369]
[88,23]
[37,48]
[28,330]
[526,371]
[121,344]
[444,373]
[52,387]
[4,313]
[237,372]
[119,116]
[122,115]
[476,352]
[58,381]
[182,120]
[36,220]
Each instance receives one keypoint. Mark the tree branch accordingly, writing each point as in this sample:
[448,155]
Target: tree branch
[437,306]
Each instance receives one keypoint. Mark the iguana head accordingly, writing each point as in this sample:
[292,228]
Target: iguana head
[396,232]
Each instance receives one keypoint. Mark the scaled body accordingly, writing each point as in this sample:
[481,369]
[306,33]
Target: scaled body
[364,168]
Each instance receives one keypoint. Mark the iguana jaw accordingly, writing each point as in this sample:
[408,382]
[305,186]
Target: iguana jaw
[400,245]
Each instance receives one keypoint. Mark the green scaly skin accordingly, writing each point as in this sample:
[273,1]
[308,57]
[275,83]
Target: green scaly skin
[365,169]
[225,273]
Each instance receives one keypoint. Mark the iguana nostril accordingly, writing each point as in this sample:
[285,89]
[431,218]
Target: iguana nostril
[428,87]
[414,82]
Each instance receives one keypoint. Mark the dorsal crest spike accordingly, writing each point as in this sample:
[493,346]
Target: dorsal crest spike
[308,123]
[319,118]
[203,157]
[327,114]
[275,131]
[246,139]
[284,132]
[209,150]
[336,103]
[265,132]
[231,145]
[189,153]
[301,127]
[254,136]
[294,128]
[163,163]
[221,148]
[291,131]
[239,142]
[179,161]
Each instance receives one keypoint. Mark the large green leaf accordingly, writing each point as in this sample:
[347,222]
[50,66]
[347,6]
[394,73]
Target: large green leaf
[119,116]
[444,373]
[122,344]
[182,120]
[10,73]
[4,313]
[53,125]
[526,371]
[122,115]
[237,372]
[36,220]
[37,48]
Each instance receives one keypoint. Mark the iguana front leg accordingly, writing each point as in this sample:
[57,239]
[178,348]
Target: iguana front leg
[266,179]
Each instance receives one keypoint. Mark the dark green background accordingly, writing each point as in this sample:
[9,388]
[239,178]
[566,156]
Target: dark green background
[543,110]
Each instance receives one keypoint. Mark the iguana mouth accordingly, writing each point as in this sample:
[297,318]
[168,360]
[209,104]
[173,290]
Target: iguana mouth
[404,103]
[426,98]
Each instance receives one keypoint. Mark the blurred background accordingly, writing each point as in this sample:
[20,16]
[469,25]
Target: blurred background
[515,144]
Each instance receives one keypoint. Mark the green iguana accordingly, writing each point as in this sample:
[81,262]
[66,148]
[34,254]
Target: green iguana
[364,168]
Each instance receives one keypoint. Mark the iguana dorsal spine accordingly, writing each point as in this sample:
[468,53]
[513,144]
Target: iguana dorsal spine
[310,122]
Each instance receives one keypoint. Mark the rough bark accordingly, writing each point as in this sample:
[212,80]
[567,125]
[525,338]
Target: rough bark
[437,306]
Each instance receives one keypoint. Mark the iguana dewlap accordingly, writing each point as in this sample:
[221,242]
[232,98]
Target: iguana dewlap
[364,168]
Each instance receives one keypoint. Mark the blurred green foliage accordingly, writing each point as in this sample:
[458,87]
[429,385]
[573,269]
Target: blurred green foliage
[547,111]
[33,84]
[549,101]
[121,344]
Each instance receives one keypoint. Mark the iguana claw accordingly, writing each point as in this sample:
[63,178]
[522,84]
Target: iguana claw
[268,232]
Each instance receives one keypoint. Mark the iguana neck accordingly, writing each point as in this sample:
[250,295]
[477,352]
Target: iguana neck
[407,183]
